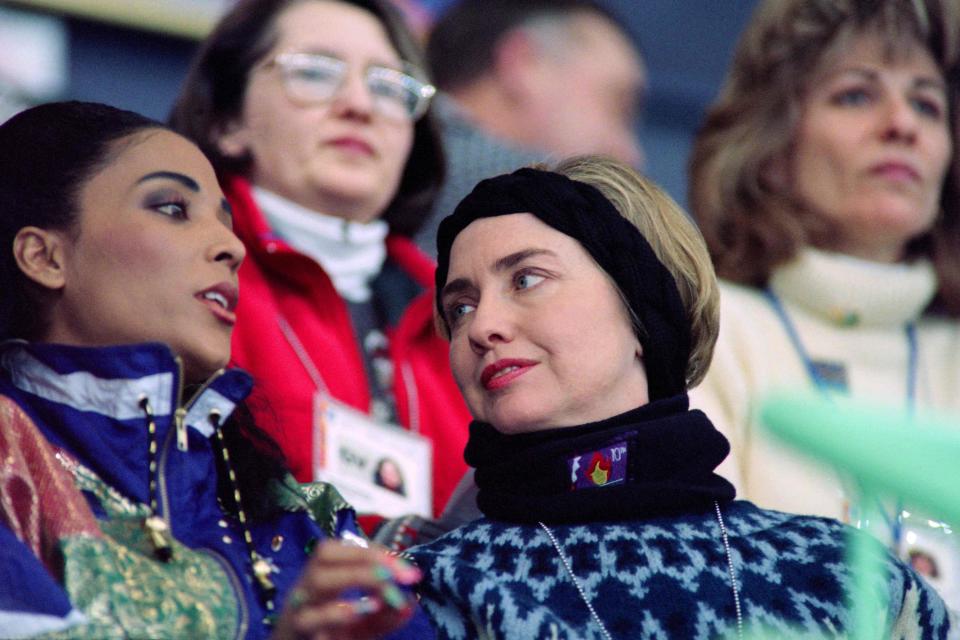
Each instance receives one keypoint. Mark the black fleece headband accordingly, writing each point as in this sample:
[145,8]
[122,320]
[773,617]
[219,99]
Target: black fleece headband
[580,211]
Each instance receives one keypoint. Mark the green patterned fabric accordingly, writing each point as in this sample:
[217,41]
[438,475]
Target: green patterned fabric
[80,468]
[125,593]
[321,500]
[189,597]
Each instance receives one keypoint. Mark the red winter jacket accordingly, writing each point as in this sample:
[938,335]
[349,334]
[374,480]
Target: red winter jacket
[274,278]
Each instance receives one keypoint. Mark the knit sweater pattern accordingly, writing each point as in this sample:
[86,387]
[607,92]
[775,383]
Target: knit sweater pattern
[662,578]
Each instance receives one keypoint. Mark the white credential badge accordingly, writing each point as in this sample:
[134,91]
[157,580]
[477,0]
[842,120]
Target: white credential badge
[378,467]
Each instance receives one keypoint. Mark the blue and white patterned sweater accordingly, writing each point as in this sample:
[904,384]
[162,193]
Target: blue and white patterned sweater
[663,578]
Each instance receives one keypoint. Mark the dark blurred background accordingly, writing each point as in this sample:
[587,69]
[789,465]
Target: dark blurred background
[134,53]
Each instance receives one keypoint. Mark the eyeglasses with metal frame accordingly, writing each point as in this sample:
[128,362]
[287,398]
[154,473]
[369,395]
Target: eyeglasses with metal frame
[316,78]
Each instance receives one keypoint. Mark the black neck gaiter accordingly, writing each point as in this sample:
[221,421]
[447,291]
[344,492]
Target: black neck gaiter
[658,459]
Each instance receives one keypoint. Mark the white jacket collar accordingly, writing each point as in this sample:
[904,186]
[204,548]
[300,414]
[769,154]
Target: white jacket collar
[351,253]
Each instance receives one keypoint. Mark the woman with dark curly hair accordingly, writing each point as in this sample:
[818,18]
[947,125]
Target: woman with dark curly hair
[138,499]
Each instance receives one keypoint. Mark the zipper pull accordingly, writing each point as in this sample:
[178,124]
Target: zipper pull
[262,571]
[159,534]
[179,420]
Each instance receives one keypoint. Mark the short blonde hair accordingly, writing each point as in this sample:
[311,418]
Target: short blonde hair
[674,239]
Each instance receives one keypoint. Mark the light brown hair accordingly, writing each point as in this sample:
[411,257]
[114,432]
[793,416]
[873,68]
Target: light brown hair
[750,224]
[673,238]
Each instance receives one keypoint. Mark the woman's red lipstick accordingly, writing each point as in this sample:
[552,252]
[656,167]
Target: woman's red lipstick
[503,372]
[221,299]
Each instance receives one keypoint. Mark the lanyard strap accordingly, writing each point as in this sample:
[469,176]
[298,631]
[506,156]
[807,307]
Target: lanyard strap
[895,523]
[823,385]
[314,373]
[301,352]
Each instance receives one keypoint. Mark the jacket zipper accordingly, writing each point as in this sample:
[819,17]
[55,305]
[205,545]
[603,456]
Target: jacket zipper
[179,419]
[180,414]
[237,587]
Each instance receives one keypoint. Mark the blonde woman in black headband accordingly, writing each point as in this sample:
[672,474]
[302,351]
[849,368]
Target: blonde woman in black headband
[581,305]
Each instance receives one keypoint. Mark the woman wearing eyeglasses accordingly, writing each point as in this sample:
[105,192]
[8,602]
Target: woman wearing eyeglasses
[316,116]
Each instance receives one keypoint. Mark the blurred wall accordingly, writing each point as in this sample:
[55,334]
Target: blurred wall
[686,43]
[126,68]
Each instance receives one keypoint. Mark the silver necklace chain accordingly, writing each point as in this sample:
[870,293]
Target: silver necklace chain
[593,612]
[730,569]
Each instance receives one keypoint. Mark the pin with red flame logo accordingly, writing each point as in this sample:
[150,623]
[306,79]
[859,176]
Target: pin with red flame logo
[603,467]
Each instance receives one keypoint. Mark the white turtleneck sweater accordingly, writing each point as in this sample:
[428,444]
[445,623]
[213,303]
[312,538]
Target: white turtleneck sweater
[351,253]
[849,313]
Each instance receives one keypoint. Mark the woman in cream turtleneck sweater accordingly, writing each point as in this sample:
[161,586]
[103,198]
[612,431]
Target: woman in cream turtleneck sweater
[824,181]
